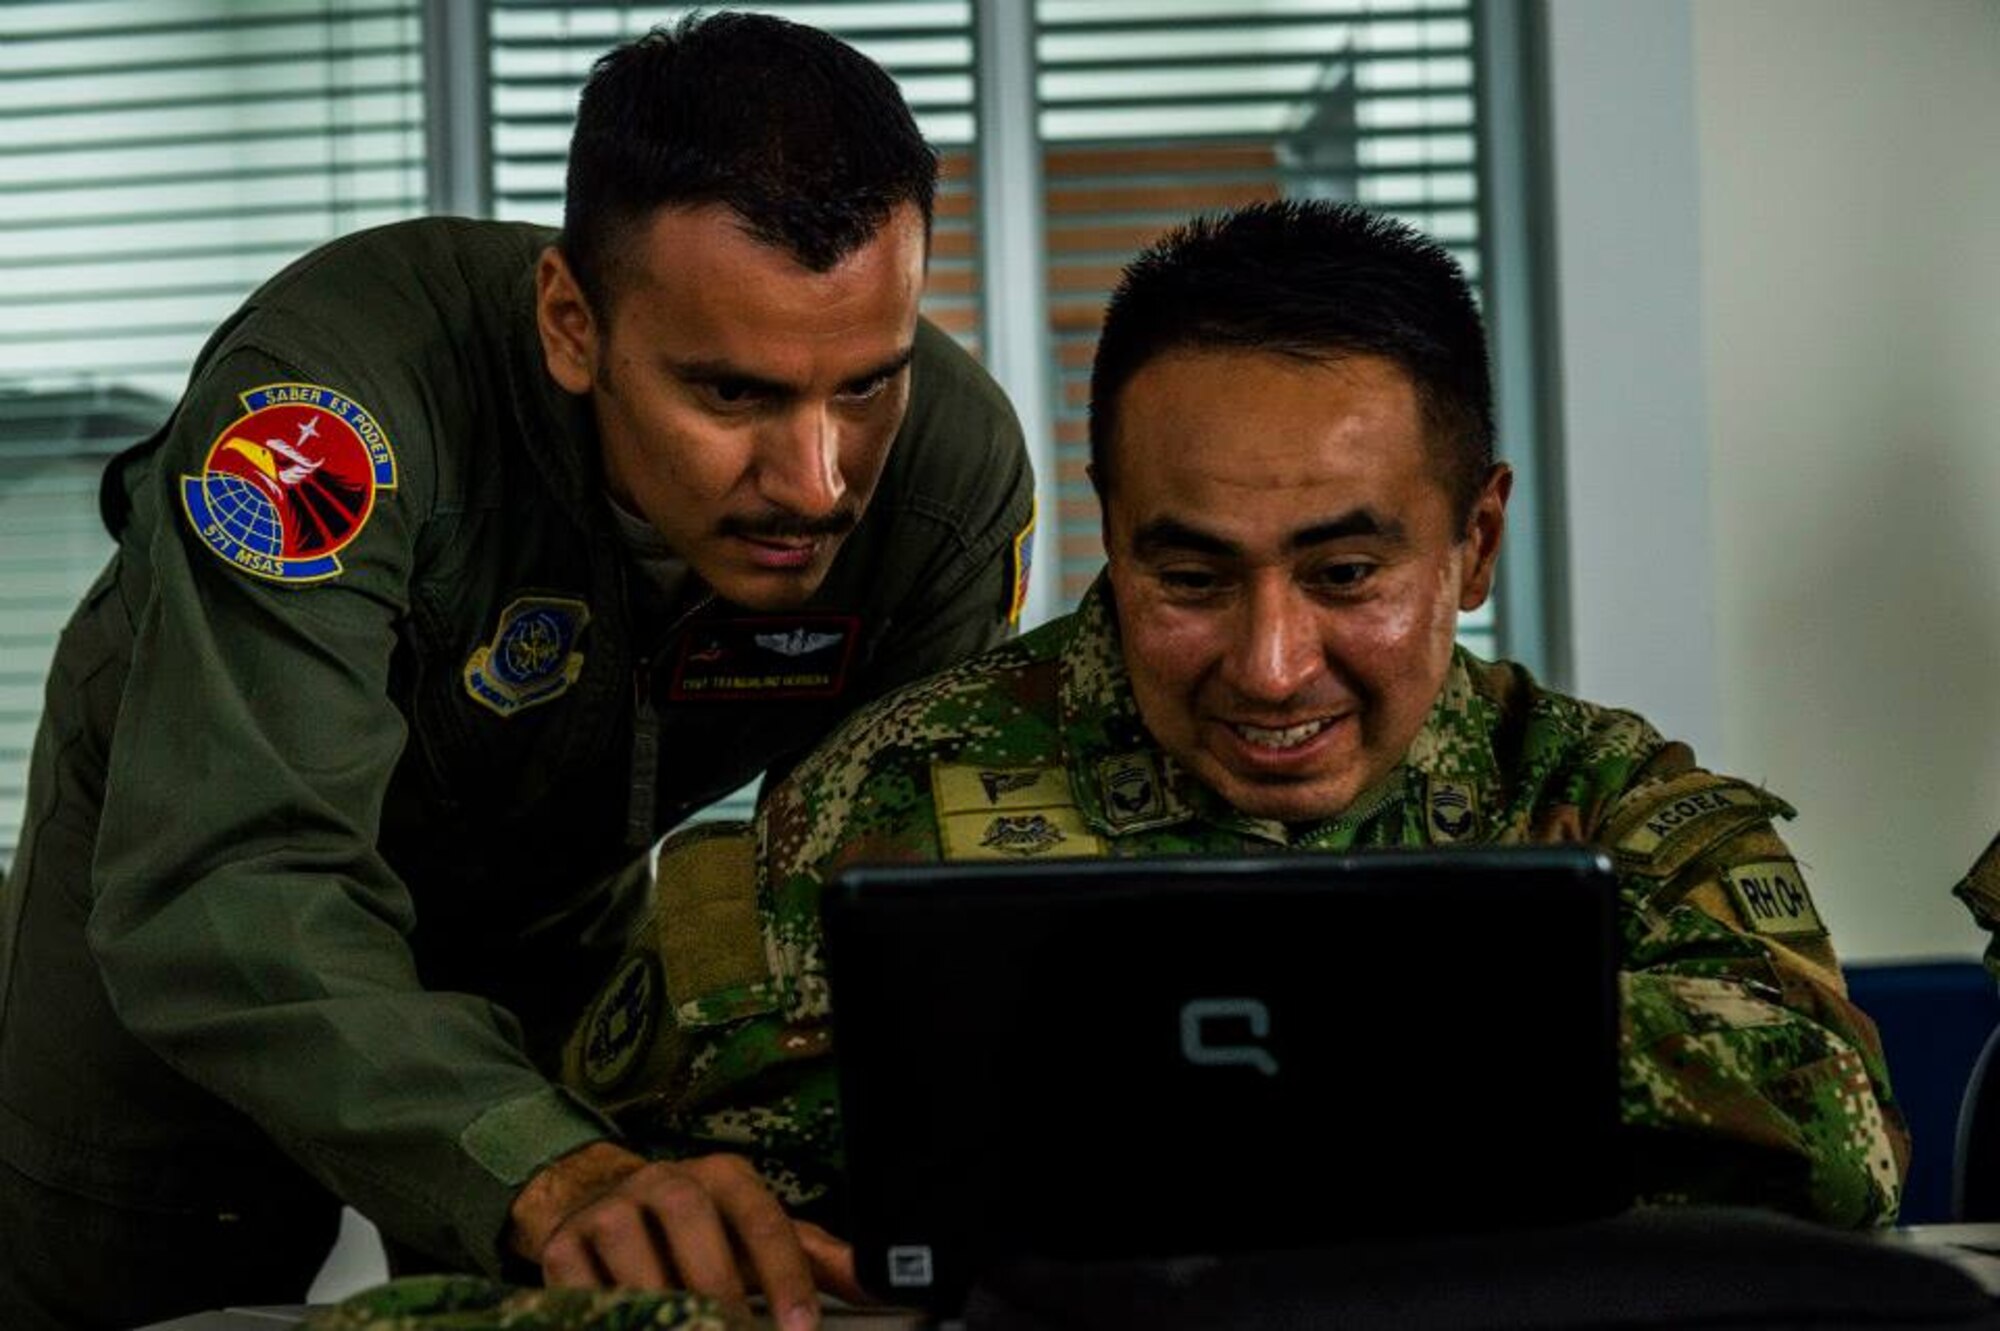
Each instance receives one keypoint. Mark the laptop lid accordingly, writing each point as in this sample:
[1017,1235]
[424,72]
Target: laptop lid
[1111,1058]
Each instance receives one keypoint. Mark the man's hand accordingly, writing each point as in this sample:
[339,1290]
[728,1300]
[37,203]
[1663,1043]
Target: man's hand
[603,1217]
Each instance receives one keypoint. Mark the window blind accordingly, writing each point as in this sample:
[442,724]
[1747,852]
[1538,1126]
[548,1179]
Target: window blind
[1152,110]
[542,52]
[158,159]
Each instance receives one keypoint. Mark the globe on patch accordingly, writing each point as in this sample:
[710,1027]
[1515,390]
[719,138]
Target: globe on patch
[245,514]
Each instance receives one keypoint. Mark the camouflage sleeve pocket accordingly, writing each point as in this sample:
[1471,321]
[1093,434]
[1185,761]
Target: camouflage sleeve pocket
[698,962]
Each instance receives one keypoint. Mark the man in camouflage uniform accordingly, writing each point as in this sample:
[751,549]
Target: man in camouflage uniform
[1291,435]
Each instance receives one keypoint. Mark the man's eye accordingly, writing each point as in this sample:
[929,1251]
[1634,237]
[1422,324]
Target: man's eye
[729,392]
[1341,577]
[866,389]
[1189,581]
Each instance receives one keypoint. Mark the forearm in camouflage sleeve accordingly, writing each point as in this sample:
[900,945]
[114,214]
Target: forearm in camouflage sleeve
[696,1044]
[1750,1077]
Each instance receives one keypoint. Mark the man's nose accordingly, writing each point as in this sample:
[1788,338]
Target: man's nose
[798,467]
[1277,650]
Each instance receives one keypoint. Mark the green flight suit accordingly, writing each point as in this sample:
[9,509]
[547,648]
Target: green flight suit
[1748,1078]
[330,827]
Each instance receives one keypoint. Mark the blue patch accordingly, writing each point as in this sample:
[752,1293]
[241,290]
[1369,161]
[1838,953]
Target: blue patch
[532,657]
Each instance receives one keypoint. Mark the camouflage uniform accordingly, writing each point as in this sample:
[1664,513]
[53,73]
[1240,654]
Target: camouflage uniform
[1750,1077]
[469,1303]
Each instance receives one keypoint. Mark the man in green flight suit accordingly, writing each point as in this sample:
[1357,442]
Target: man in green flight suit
[1292,439]
[473,558]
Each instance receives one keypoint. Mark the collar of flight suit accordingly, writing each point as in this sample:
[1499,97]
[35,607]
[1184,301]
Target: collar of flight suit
[1126,783]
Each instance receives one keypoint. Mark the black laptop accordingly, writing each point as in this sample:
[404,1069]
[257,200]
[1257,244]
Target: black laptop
[1118,1058]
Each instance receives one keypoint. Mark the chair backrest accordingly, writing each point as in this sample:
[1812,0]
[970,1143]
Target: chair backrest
[1975,1191]
[1936,1018]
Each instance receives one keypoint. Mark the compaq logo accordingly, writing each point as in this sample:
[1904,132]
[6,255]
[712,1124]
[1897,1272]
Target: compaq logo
[1201,1015]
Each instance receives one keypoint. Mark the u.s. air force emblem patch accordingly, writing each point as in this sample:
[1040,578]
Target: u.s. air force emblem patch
[532,657]
[290,483]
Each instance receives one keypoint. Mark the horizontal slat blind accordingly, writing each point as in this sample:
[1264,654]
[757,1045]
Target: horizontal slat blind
[158,158]
[542,53]
[1152,110]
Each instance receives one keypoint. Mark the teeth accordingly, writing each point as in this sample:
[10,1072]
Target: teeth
[1288,738]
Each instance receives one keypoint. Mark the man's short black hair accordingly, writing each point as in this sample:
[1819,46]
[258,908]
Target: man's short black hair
[807,140]
[1317,281]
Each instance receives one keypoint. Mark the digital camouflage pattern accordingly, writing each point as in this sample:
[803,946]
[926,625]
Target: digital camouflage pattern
[1749,1075]
[472,1303]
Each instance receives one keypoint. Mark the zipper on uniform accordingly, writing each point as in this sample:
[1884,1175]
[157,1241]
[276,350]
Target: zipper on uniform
[642,801]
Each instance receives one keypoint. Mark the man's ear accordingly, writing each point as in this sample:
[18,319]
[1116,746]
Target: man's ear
[571,339]
[1481,548]
[1103,510]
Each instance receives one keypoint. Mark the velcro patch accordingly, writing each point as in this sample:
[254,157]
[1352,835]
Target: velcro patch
[973,788]
[620,1025]
[1008,813]
[765,658]
[710,936]
[1030,834]
[1771,897]
[290,483]
[1451,811]
[1133,794]
[532,657]
[1667,825]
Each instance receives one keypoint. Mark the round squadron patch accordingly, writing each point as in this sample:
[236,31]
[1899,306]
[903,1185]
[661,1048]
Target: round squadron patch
[621,1022]
[286,486]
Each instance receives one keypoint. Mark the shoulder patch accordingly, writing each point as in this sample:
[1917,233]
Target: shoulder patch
[1658,829]
[1771,897]
[532,657]
[290,483]
[621,1023]
[1022,560]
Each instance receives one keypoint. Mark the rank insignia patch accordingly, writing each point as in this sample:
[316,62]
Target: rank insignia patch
[1022,834]
[290,483]
[736,660]
[1133,795]
[1023,559]
[532,657]
[1452,814]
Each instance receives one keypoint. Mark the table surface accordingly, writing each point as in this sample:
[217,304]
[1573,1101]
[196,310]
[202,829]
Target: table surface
[270,1319]
[1973,1249]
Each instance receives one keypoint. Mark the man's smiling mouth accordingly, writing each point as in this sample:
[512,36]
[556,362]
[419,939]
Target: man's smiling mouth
[1282,737]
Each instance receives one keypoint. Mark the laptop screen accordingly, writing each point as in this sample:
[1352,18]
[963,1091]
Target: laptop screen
[1112,1058]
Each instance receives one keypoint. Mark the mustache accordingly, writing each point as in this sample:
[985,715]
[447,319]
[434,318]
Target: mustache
[781,526]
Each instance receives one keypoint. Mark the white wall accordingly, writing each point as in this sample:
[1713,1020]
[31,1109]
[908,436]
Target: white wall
[1845,232]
